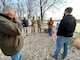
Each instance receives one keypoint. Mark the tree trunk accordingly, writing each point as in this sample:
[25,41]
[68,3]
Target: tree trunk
[41,11]
[41,15]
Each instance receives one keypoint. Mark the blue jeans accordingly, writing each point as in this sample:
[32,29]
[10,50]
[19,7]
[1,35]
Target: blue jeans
[62,41]
[17,56]
[50,31]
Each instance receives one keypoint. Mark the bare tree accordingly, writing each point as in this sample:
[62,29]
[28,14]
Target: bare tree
[47,4]
[3,2]
[34,7]
[31,8]
[21,8]
[1,5]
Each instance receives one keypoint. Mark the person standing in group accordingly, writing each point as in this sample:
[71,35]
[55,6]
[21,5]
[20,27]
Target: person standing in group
[39,24]
[57,25]
[64,33]
[11,40]
[55,31]
[33,25]
[25,25]
[50,26]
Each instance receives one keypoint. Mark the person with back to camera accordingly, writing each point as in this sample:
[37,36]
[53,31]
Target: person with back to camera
[65,32]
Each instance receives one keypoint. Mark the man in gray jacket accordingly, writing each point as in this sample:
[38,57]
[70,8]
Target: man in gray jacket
[11,41]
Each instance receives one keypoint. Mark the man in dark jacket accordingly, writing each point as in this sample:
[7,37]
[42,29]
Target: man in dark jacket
[25,25]
[11,41]
[65,32]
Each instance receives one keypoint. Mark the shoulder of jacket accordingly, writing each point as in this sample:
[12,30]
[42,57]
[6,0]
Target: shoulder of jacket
[3,18]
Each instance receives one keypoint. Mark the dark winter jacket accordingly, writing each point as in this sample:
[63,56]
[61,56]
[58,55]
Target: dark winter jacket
[25,23]
[11,41]
[67,26]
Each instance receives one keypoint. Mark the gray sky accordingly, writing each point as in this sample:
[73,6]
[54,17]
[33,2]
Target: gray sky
[75,4]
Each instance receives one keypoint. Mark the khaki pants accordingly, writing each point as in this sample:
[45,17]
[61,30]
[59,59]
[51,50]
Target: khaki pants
[33,29]
[39,29]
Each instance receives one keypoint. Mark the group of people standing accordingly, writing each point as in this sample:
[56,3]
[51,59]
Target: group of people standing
[34,22]
[11,40]
[62,32]
[25,24]
[37,24]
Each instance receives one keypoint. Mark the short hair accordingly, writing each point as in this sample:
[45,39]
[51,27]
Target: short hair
[33,17]
[24,18]
[38,16]
[8,9]
[50,18]
[69,9]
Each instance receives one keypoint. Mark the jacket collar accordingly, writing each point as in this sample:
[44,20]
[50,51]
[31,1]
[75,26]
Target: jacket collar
[69,15]
[5,16]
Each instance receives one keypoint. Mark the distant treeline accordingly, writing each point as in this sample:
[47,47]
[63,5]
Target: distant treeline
[78,21]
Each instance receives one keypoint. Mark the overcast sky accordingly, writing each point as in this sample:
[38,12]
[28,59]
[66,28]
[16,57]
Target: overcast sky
[75,4]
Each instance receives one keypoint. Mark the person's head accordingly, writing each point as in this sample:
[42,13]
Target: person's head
[50,19]
[68,10]
[38,17]
[24,18]
[33,17]
[10,11]
[57,23]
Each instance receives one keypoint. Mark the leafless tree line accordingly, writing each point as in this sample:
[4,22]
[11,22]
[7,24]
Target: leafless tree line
[33,7]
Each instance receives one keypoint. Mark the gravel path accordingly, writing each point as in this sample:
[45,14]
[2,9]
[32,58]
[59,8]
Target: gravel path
[39,46]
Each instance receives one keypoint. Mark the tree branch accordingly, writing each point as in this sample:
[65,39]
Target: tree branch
[45,2]
[49,7]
